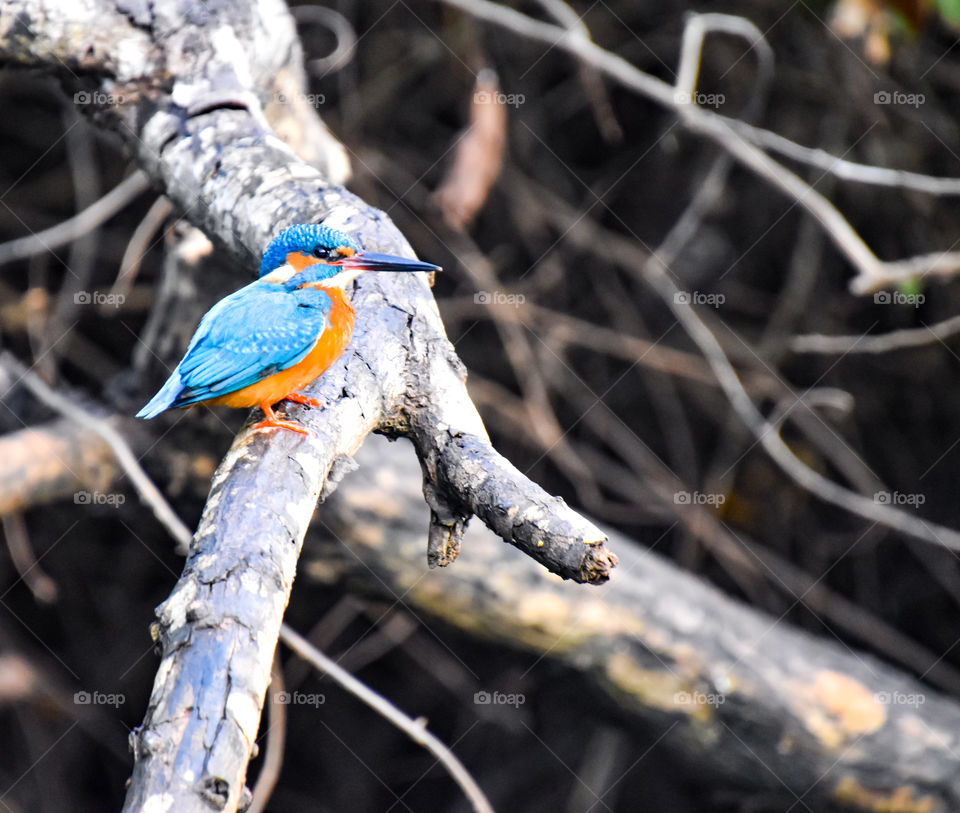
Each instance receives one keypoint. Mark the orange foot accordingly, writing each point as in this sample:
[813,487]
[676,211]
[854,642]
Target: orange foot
[306,400]
[273,422]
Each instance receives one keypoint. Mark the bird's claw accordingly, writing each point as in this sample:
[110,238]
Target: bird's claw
[277,423]
[273,422]
[306,400]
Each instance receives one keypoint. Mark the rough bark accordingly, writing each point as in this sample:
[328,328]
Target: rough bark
[765,709]
[191,88]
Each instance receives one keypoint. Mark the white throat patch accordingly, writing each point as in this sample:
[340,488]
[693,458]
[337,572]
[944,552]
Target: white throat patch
[279,275]
[343,278]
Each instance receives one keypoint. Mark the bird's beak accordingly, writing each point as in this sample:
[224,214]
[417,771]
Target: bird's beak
[371,261]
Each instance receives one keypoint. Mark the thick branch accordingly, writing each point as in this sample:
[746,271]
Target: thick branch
[766,709]
[192,114]
[52,462]
[660,643]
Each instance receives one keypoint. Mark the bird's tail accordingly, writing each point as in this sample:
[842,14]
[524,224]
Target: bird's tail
[164,398]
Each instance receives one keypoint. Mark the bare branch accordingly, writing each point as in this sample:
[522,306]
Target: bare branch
[144,486]
[882,343]
[415,729]
[339,26]
[844,169]
[78,225]
[872,272]
[671,652]
[276,735]
[138,245]
[768,436]
[196,122]
[44,588]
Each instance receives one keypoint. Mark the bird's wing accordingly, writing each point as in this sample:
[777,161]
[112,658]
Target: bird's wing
[249,336]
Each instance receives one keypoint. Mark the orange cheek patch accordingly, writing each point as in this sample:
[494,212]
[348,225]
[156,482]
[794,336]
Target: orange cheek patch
[297,260]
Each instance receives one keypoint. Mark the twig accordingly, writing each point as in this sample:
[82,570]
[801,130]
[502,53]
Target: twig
[872,273]
[695,30]
[415,729]
[768,436]
[77,226]
[341,29]
[938,264]
[570,330]
[847,170]
[143,485]
[835,165]
[882,343]
[276,734]
[591,79]
[44,588]
[138,246]
[393,629]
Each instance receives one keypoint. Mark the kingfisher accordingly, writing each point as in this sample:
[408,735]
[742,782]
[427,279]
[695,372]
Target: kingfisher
[262,344]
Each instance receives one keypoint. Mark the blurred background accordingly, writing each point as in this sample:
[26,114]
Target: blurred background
[523,174]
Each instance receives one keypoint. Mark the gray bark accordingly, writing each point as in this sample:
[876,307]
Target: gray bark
[765,710]
[193,89]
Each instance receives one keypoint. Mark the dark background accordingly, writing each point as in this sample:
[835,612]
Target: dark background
[399,107]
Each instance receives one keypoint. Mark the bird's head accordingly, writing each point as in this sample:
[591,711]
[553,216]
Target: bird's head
[311,254]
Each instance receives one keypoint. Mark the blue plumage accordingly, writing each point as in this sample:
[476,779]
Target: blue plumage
[246,337]
[303,237]
[274,323]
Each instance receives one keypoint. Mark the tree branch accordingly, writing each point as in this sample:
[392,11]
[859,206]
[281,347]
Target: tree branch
[193,101]
[764,708]
[734,138]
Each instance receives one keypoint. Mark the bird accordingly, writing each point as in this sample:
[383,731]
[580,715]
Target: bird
[263,343]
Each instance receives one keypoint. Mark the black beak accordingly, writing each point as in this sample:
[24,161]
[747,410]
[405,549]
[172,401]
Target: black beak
[371,261]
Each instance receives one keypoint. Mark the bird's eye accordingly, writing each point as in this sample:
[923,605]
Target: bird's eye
[321,252]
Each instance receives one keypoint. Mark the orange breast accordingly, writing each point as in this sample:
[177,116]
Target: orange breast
[327,350]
